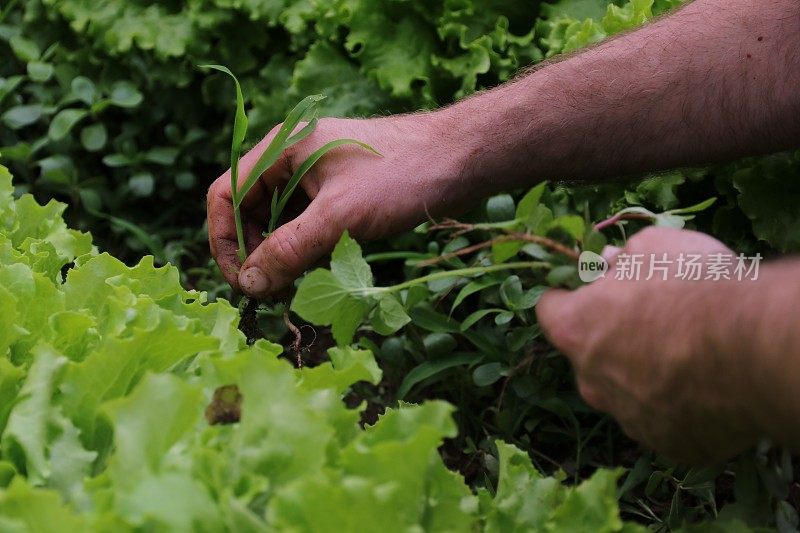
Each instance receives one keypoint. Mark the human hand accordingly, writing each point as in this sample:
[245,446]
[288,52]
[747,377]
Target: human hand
[659,355]
[350,189]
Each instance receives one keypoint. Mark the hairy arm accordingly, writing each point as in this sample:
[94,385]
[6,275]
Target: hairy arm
[716,80]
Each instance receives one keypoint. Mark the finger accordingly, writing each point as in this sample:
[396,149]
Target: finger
[556,312]
[222,232]
[290,251]
[610,253]
[592,395]
[222,235]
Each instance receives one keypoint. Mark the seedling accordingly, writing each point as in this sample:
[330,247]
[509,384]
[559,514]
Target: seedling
[305,111]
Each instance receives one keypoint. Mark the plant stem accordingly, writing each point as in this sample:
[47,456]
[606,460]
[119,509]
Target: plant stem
[603,224]
[392,256]
[524,237]
[237,215]
[444,274]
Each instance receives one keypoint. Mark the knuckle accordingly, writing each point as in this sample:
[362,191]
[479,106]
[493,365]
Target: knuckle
[216,189]
[565,337]
[286,251]
[212,191]
[591,394]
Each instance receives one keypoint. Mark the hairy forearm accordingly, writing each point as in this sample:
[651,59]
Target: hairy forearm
[718,79]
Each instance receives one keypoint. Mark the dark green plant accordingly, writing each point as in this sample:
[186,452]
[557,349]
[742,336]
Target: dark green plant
[162,148]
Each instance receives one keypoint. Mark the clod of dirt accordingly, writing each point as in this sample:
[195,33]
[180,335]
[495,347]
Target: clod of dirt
[225,406]
[248,323]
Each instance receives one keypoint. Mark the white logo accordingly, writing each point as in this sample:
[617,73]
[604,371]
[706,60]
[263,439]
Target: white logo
[591,267]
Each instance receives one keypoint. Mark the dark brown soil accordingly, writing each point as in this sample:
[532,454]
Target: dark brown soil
[248,324]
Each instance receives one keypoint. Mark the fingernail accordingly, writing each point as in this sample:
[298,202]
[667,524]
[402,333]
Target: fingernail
[253,281]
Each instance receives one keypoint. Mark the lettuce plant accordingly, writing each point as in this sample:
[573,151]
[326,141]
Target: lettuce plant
[104,380]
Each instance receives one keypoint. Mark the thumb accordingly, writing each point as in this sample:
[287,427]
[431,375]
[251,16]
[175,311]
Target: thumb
[289,251]
[556,313]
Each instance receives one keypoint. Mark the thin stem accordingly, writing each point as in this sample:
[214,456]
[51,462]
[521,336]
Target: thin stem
[392,256]
[462,227]
[618,217]
[444,274]
[237,214]
[524,237]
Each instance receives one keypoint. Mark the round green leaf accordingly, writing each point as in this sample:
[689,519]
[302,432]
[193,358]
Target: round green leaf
[392,349]
[142,184]
[94,137]
[9,85]
[25,49]
[564,275]
[485,375]
[40,72]
[18,152]
[125,94]
[500,208]
[64,121]
[185,180]
[21,116]
[84,90]
[57,169]
[503,318]
[91,199]
[439,344]
[572,224]
[117,160]
[511,291]
[594,241]
[162,155]
[389,316]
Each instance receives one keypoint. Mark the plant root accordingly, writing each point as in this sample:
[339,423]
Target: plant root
[297,343]
[248,323]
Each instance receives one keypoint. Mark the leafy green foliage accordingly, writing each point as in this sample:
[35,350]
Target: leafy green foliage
[93,65]
[135,170]
[487,355]
[102,427]
[341,297]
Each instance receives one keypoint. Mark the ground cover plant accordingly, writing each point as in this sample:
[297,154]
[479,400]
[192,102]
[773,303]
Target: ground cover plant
[105,374]
[102,106]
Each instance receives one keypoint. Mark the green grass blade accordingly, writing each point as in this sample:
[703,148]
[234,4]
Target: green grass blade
[143,236]
[239,128]
[273,212]
[279,143]
[239,134]
[702,206]
[294,181]
[302,134]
